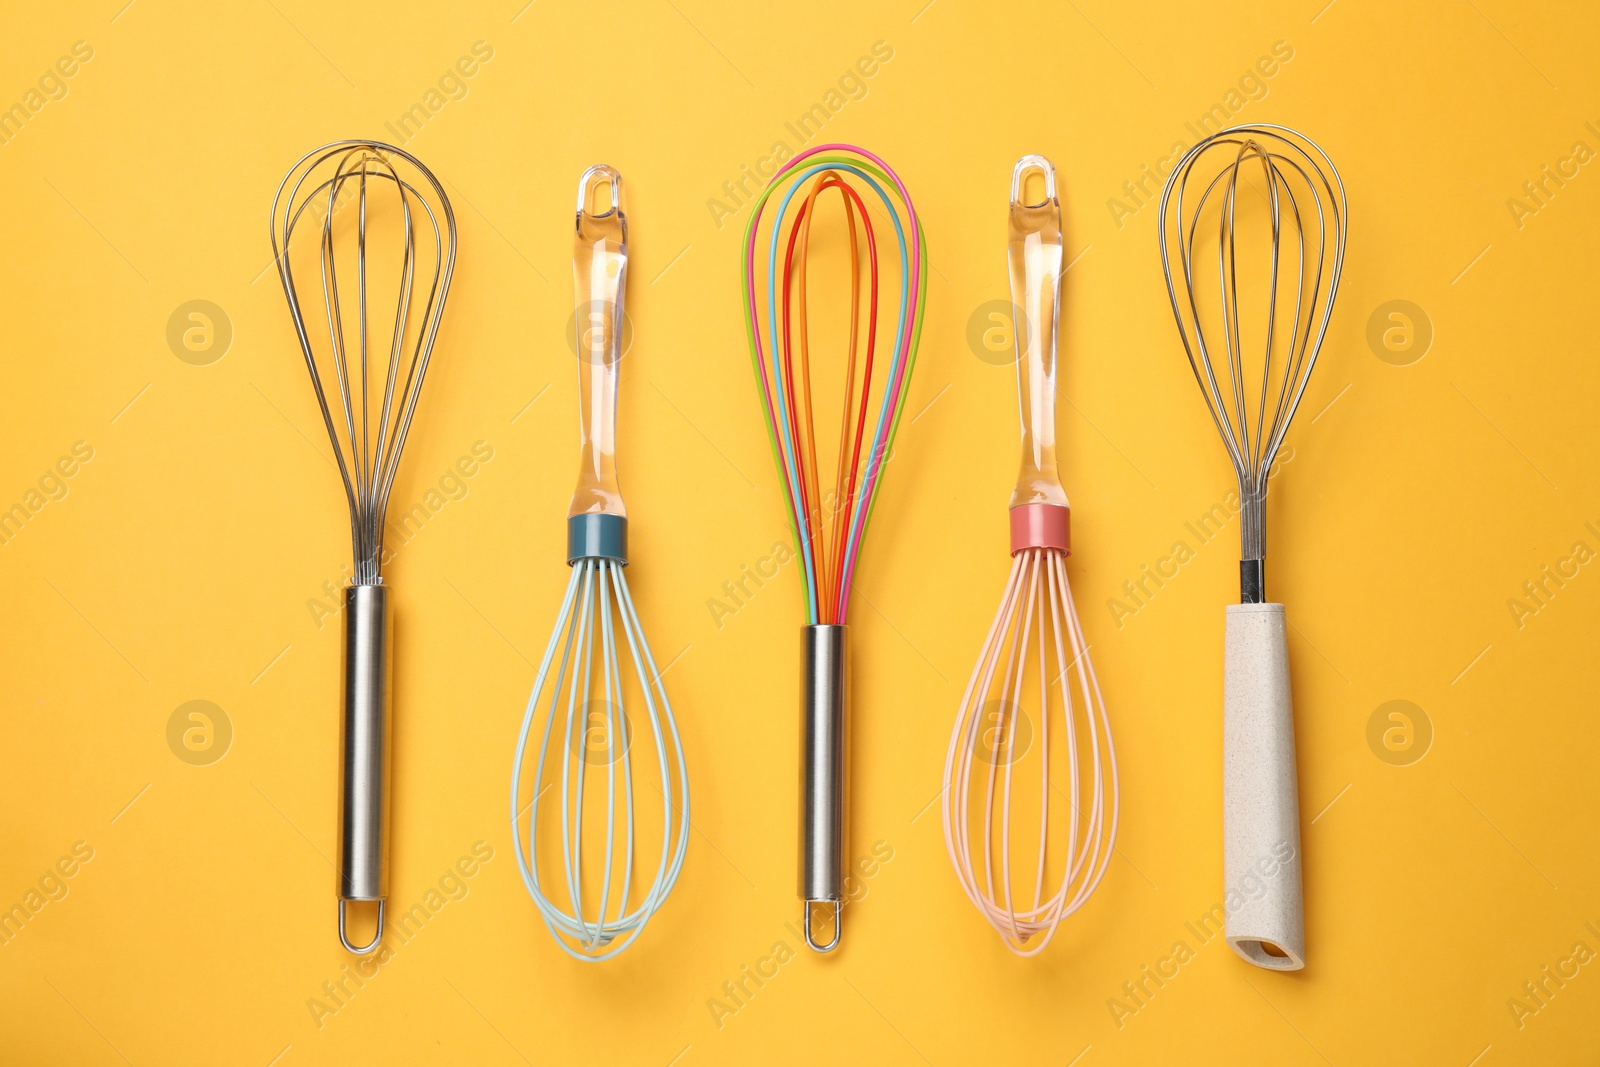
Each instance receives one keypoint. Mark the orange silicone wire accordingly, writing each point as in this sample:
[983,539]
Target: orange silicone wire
[845,470]
[847,491]
[840,505]
[828,552]
[802,227]
[827,525]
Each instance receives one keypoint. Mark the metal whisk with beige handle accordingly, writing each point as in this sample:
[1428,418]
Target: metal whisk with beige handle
[1268,198]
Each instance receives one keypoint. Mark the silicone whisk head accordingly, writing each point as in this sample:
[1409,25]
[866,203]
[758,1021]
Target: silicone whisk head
[832,280]
[371,229]
[600,812]
[1031,796]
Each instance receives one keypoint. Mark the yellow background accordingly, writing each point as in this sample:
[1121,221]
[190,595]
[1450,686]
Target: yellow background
[180,564]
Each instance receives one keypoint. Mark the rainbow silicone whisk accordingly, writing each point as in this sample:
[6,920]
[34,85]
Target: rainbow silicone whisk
[829,521]
[1030,814]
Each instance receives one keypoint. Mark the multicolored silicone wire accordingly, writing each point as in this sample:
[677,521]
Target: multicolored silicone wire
[828,529]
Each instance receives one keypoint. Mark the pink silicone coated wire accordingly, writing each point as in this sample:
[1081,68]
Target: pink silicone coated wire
[1036,610]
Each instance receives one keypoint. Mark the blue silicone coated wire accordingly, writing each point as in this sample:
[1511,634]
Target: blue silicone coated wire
[597,594]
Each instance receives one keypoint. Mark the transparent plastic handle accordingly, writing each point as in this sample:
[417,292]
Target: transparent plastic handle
[1034,258]
[599,275]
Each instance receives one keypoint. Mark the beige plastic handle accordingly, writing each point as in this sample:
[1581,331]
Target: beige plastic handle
[1260,795]
[1034,258]
[599,275]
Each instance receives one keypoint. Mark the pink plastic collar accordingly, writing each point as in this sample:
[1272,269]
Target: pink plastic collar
[1040,526]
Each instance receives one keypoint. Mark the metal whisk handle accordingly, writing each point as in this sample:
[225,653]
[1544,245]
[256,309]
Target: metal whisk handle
[366,745]
[824,775]
[1252,581]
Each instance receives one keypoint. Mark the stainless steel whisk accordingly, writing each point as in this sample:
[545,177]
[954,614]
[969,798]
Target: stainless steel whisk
[372,194]
[1239,172]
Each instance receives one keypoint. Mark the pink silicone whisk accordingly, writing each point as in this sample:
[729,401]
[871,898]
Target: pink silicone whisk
[1034,668]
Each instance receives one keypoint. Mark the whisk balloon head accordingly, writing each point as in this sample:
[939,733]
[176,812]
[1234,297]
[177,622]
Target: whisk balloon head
[606,716]
[1252,242]
[829,523]
[364,240]
[1031,736]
